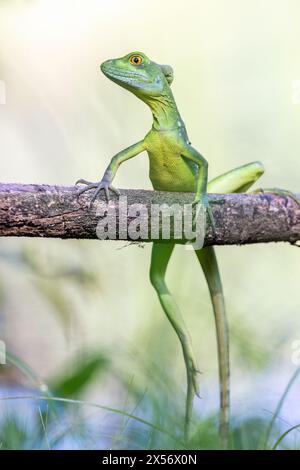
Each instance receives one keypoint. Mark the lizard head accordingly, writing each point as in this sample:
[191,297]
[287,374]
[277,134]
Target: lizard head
[138,74]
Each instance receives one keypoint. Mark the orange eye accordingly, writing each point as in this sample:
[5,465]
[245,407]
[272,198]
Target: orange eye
[136,60]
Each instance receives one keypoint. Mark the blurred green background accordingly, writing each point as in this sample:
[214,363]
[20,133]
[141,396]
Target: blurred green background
[82,314]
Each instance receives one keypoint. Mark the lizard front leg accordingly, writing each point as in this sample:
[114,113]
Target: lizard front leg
[111,171]
[193,155]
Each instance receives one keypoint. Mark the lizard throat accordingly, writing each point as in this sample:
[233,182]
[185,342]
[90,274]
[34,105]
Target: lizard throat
[165,114]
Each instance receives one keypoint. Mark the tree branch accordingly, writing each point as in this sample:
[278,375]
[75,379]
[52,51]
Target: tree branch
[58,212]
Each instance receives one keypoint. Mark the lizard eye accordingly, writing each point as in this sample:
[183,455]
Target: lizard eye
[136,60]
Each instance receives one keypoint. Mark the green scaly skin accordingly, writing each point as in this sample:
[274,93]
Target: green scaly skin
[176,166]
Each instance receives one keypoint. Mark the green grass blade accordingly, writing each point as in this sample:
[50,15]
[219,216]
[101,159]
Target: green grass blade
[279,406]
[284,435]
[95,405]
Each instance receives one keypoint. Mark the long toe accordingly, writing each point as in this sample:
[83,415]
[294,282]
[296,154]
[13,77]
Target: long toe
[96,193]
[82,181]
[115,190]
[87,188]
[194,376]
[193,373]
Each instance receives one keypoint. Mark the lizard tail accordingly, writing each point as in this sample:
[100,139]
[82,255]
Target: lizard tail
[208,261]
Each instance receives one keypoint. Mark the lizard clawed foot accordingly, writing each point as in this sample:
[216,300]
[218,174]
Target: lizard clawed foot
[205,202]
[192,373]
[192,388]
[103,184]
[285,193]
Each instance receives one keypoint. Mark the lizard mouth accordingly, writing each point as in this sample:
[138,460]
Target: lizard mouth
[128,77]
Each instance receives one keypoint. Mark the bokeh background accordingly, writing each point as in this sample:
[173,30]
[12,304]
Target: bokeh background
[81,316]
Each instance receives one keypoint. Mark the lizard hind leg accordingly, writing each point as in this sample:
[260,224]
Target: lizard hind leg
[161,253]
[238,180]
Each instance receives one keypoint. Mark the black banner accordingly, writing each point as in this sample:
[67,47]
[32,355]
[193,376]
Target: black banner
[135,459]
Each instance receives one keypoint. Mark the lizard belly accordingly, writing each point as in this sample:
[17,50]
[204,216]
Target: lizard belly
[169,171]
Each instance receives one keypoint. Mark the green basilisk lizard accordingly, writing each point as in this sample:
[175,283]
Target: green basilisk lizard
[176,166]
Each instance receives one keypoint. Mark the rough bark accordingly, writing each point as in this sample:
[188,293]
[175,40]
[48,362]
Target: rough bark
[58,212]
